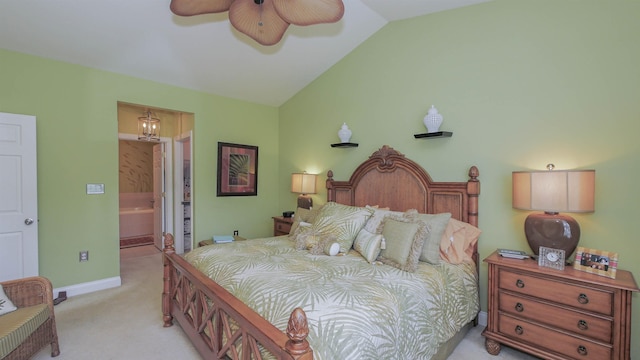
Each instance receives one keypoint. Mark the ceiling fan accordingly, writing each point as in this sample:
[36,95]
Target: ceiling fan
[265,21]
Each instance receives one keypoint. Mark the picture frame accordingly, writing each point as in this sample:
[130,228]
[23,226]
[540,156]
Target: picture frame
[237,170]
[599,262]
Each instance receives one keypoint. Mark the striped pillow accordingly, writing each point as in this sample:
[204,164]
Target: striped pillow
[368,245]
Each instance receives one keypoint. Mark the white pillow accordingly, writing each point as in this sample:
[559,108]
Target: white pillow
[6,306]
[373,224]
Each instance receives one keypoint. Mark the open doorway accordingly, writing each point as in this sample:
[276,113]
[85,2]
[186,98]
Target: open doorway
[146,206]
[145,177]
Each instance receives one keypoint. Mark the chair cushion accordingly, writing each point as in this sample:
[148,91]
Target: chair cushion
[16,326]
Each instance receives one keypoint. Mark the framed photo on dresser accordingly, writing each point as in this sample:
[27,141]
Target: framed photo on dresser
[599,262]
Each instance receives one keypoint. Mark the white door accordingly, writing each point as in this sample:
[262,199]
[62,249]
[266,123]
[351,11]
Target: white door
[158,194]
[18,197]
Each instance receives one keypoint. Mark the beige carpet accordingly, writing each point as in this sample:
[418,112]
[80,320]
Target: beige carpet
[126,322]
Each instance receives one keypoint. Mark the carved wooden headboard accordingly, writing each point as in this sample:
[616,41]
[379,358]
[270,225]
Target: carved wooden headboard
[389,179]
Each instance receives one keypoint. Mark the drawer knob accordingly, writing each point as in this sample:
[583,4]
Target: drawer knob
[520,283]
[582,350]
[519,330]
[582,325]
[583,299]
[519,307]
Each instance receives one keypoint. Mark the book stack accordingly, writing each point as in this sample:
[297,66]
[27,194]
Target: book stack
[221,239]
[513,254]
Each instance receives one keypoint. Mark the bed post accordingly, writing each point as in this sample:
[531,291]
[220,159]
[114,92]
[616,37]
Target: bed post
[329,185]
[166,289]
[473,189]
[297,331]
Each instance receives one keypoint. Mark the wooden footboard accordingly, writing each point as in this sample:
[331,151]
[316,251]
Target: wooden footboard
[218,324]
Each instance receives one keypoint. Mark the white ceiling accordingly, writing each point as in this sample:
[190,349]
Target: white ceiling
[142,38]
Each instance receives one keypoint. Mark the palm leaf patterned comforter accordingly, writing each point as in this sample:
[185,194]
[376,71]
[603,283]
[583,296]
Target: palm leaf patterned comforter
[355,310]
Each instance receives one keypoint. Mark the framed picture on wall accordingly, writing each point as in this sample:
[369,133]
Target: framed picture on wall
[599,262]
[237,170]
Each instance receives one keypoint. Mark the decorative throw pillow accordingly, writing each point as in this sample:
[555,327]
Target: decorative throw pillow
[368,244]
[341,221]
[404,238]
[303,215]
[6,306]
[331,248]
[458,241]
[373,224]
[436,223]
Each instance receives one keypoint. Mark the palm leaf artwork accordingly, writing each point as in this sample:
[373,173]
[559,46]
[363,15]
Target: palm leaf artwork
[239,169]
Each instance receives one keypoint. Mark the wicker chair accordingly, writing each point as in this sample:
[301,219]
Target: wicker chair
[29,292]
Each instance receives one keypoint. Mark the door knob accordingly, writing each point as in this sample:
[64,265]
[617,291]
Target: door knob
[28,221]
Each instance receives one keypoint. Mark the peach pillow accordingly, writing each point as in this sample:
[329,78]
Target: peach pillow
[458,241]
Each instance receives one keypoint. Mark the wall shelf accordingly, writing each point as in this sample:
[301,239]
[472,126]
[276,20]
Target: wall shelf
[347,144]
[437,134]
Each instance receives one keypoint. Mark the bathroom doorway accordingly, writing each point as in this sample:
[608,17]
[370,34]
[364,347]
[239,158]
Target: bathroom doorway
[146,189]
[146,212]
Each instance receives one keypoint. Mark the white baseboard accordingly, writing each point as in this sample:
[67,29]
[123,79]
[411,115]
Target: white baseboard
[482,318]
[88,287]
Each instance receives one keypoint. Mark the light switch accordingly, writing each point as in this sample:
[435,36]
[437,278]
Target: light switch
[94,189]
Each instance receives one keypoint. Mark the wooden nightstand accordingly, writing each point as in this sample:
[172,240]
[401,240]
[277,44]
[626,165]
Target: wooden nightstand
[554,314]
[281,225]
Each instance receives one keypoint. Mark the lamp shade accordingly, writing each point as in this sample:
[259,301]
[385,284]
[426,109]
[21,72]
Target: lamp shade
[303,183]
[554,191]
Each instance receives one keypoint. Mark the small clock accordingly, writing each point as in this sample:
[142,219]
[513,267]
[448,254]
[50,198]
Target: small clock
[551,258]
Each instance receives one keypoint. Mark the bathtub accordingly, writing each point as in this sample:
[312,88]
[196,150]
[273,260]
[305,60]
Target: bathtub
[136,222]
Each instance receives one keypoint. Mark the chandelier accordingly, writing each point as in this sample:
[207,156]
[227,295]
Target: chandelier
[265,21]
[148,127]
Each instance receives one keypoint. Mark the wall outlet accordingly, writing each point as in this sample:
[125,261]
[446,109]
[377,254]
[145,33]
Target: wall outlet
[84,255]
[235,232]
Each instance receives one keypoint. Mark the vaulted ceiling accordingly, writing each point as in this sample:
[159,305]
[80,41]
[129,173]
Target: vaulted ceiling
[142,38]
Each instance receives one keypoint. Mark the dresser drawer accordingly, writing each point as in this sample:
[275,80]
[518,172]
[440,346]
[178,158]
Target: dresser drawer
[555,341]
[577,296]
[594,327]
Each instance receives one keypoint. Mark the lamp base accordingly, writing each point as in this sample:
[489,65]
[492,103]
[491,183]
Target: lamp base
[305,202]
[552,230]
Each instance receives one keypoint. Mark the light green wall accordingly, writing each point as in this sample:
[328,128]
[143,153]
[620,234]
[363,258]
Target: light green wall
[520,84]
[77,130]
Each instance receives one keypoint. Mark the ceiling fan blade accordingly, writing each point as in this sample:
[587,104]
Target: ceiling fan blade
[309,12]
[260,22]
[197,7]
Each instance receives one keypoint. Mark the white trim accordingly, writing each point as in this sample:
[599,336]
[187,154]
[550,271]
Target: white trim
[178,183]
[88,287]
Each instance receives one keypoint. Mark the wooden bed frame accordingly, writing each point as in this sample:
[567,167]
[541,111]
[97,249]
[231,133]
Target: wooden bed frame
[221,327]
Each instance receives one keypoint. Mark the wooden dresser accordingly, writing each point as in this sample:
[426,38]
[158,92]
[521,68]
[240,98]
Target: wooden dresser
[281,225]
[554,314]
